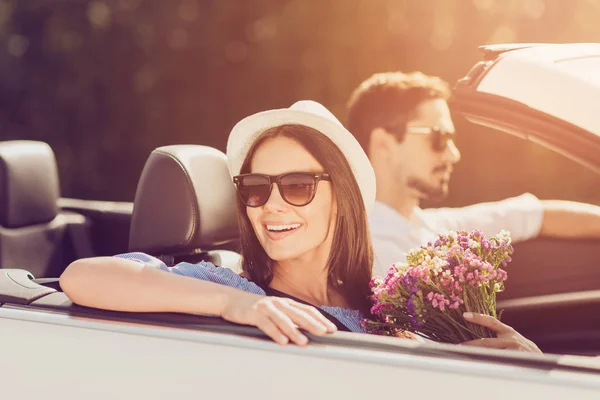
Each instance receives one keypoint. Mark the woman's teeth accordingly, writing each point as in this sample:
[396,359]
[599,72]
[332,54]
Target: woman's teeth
[280,228]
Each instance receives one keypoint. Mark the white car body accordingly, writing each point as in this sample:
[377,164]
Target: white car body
[549,78]
[67,357]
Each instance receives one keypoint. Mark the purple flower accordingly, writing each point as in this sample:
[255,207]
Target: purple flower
[438,279]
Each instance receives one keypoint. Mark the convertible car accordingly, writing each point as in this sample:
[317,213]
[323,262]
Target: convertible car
[52,348]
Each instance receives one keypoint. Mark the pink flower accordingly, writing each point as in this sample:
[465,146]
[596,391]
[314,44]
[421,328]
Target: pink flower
[436,278]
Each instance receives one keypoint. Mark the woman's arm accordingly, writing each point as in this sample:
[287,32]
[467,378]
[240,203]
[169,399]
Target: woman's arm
[118,284]
[123,285]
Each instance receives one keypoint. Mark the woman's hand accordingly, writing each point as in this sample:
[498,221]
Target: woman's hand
[279,318]
[507,337]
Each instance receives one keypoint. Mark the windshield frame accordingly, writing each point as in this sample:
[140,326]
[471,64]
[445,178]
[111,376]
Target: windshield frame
[517,119]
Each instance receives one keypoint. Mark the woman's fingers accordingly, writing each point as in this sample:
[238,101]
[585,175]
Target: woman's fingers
[494,343]
[312,311]
[265,324]
[507,338]
[302,318]
[282,321]
[488,321]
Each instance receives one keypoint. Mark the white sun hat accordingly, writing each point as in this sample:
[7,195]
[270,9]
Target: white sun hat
[311,114]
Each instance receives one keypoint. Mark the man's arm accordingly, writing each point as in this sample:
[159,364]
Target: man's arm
[570,219]
[522,216]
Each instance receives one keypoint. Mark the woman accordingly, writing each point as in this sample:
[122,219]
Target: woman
[304,187]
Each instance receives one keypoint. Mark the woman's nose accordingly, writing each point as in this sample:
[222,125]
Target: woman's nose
[275,202]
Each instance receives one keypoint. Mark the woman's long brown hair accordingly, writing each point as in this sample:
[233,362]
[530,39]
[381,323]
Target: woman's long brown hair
[351,258]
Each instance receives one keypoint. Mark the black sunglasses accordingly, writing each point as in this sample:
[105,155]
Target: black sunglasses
[439,137]
[296,188]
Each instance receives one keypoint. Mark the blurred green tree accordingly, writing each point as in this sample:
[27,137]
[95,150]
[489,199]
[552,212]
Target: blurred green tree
[106,81]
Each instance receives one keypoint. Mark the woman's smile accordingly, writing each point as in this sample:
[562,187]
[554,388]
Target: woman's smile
[278,231]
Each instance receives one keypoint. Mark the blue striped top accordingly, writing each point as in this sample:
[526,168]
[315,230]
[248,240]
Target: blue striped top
[208,272]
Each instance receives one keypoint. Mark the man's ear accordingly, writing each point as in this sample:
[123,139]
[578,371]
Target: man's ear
[381,142]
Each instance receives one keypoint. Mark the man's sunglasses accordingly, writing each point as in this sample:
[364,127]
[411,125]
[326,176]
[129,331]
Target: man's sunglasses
[295,188]
[439,137]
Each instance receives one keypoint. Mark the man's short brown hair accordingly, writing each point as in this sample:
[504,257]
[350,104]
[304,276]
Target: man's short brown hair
[390,99]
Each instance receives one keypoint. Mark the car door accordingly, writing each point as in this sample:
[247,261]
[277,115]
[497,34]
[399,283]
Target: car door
[547,94]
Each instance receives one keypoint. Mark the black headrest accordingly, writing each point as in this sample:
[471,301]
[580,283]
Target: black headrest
[185,202]
[28,183]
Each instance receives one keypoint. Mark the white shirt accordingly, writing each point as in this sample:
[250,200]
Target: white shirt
[393,235]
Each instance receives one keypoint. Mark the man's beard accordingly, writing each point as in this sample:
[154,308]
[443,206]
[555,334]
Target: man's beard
[427,190]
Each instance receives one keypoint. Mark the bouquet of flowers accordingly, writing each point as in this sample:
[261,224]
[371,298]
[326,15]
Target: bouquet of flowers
[428,294]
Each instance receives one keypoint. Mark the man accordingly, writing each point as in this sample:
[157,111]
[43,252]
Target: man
[404,125]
